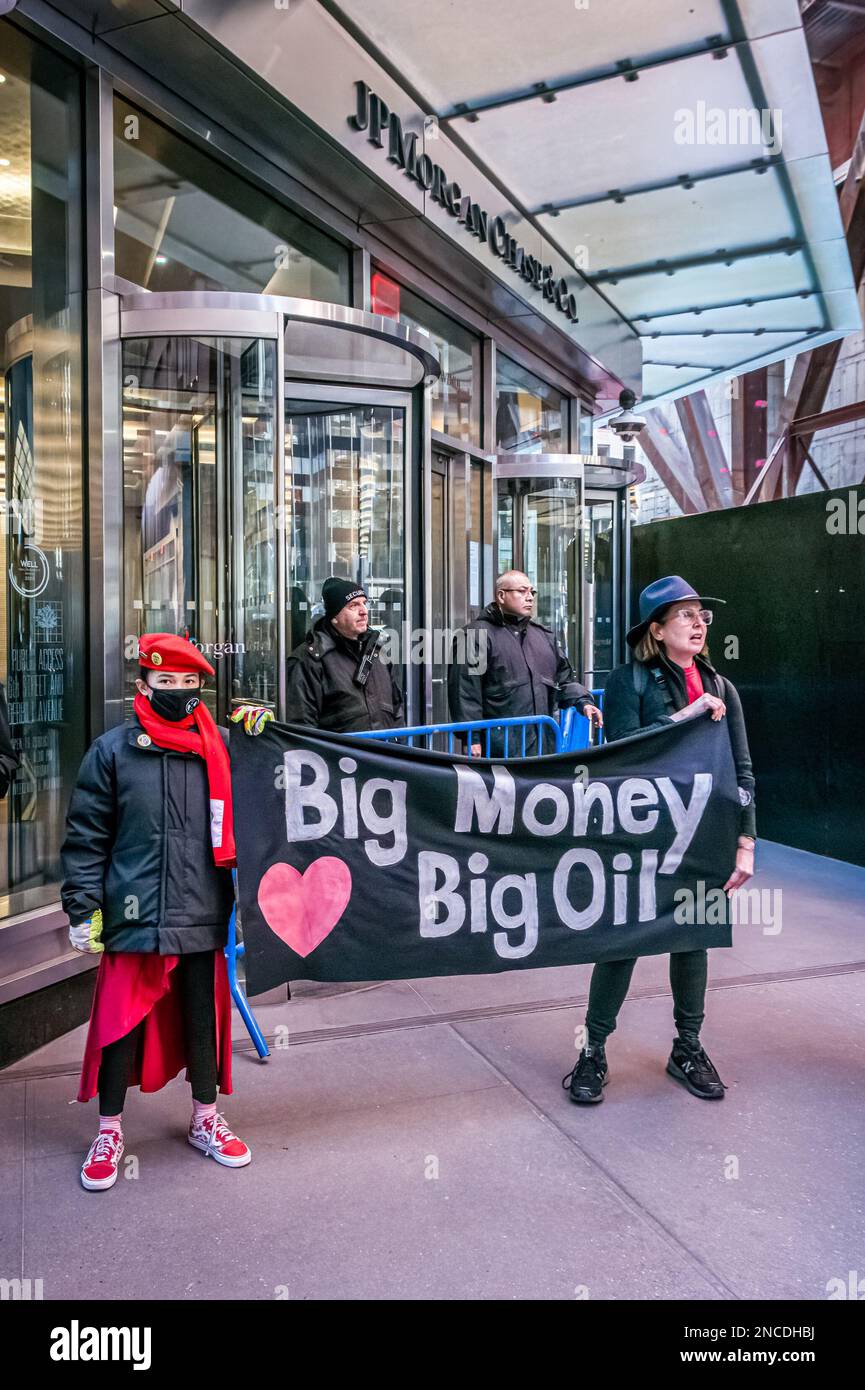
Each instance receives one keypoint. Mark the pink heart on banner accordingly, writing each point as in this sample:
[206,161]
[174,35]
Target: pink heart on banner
[304,908]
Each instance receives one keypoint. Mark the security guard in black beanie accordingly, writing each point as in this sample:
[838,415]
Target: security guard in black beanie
[337,678]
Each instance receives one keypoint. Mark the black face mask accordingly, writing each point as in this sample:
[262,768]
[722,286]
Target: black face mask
[174,704]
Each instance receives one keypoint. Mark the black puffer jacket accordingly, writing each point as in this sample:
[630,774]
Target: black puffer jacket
[138,847]
[525,670]
[635,700]
[320,686]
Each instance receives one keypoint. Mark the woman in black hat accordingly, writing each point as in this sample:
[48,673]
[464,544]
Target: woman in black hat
[669,680]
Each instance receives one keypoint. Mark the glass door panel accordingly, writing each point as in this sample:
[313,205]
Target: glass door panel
[440,606]
[170,448]
[599,590]
[566,540]
[251,518]
[344,507]
[198,489]
[539,518]
[551,520]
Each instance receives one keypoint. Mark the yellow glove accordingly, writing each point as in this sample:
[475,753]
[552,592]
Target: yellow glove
[254,717]
[87,936]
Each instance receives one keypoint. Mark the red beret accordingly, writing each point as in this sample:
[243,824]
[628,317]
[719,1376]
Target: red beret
[162,651]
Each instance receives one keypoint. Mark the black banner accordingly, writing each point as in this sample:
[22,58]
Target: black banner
[360,860]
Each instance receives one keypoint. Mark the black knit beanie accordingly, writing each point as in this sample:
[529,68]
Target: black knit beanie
[336,593]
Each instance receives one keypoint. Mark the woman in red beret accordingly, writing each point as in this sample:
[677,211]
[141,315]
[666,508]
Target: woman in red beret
[147,883]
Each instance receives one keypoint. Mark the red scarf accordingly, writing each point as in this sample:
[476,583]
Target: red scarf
[197,733]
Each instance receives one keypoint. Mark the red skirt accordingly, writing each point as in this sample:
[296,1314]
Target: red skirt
[132,986]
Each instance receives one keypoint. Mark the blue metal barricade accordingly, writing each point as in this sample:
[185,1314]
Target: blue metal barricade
[576,729]
[233,952]
[514,733]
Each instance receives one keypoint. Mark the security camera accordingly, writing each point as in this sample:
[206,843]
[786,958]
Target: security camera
[626,424]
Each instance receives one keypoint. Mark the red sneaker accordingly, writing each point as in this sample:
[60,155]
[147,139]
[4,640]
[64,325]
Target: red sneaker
[101,1164]
[212,1135]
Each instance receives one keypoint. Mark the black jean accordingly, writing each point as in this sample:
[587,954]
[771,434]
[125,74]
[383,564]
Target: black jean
[195,980]
[611,980]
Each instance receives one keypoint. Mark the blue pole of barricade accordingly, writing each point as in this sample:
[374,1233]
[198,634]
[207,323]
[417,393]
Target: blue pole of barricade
[233,951]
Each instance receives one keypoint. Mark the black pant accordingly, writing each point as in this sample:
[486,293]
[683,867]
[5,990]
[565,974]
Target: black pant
[195,975]
[611,979]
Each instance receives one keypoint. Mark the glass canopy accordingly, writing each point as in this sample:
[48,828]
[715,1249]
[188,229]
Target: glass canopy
[675,153]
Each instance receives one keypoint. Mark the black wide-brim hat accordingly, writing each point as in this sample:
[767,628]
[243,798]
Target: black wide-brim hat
[658,596]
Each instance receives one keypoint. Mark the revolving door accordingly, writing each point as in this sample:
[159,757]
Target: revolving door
[266,444]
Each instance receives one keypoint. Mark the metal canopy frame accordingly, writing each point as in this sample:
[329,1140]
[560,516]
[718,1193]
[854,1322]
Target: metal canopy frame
[754,59]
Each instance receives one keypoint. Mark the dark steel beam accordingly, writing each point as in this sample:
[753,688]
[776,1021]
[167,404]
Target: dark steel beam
[695,418]
[626,69]
[828,419]
[697,309]
[824,359]
[748,431]
[672,466]
[785,247]
[684,181]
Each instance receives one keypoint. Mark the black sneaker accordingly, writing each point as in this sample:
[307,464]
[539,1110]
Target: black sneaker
[586,1082]
[690,1064]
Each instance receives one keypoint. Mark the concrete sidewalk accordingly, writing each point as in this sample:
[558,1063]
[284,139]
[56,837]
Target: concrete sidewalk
[412,1140]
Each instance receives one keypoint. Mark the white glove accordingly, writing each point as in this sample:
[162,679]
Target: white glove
[87,936]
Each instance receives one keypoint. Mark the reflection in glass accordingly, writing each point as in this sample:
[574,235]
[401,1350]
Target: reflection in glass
[454,399]
[505,558]
[185,222]
[531,417]
[551,518]
[598,590]
[440,606]
[586,430]
[42,646]
[344,508]
[198,426]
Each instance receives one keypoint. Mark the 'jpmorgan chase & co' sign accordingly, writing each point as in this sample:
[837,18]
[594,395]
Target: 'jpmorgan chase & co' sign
[374,115]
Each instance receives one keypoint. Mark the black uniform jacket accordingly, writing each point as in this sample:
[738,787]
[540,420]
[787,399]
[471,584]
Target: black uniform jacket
[138,847]
[511,670]
[321,689]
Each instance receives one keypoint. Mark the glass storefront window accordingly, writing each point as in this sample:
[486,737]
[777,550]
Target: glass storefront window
[43,657]
[345,508]
[586,430]
[531,417]
[198,488]
[184,222]
[455,397]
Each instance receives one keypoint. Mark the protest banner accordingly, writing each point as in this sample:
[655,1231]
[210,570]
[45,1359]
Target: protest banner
[362,860]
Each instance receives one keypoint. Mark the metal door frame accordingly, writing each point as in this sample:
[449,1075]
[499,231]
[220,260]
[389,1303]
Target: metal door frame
[326,393]
[528,467]
[559,466]
[617,497]
[458,457]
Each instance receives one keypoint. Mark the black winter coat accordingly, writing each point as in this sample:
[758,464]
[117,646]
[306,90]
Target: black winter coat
[138,847]
[525,666]
[627,711]
[320,686]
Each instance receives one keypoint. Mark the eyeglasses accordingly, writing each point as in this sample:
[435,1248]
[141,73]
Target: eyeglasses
[523,590]
[687,615]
